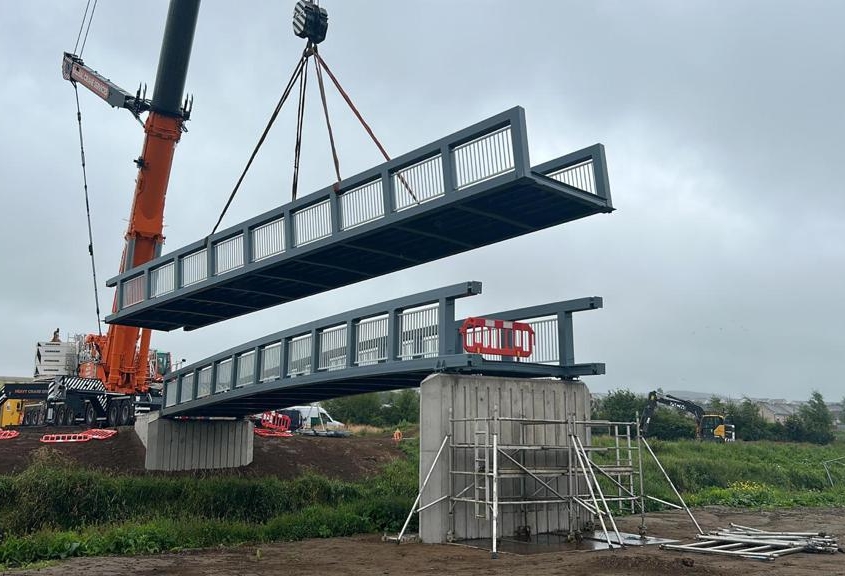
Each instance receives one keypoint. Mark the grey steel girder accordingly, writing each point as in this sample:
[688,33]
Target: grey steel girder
[280,371]
[473,188]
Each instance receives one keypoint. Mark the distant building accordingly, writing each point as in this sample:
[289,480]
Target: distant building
[777,410]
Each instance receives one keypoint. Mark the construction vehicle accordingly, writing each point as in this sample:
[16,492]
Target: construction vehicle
[710,427]
[111,376]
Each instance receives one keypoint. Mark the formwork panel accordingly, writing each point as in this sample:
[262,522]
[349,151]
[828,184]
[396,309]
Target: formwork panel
[512,408]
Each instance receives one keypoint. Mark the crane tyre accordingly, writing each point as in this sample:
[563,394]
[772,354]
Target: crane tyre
[70,417]
[90,416]
[59,416]
[27,418]
[125,413]
[42,417]
[113,414]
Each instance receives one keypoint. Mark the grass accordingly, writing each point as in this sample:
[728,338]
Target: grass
[54,510]
[744,473]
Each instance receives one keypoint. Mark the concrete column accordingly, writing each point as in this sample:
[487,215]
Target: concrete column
[195,444]
[522,403]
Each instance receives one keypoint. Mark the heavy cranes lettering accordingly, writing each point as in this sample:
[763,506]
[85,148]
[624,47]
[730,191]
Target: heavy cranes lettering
[707,426]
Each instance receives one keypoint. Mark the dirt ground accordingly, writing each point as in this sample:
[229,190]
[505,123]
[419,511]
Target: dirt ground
[368,555]
[342,458]
[353,458]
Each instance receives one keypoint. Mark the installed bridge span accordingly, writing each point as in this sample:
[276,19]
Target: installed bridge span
[386,346]
[473,188]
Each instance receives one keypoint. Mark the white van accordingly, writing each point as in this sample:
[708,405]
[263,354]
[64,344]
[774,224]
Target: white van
[316,418]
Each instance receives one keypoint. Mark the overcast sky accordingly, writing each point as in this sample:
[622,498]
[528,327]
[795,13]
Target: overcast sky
[721,270]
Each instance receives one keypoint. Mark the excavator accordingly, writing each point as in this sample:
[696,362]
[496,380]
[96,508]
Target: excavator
[711,427]
[111,376]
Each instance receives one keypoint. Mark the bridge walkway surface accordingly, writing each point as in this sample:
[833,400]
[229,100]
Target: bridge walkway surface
[386,346]
[473,188]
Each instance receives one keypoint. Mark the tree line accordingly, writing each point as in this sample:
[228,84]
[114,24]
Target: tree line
[812,422]
[382,409]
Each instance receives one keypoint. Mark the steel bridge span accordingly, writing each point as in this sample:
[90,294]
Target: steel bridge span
[473,188]
[386,346]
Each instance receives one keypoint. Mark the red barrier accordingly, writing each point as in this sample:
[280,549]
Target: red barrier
[64,438]
[270,433]
[100,433]
[498,337]
[275,421]
[9,434]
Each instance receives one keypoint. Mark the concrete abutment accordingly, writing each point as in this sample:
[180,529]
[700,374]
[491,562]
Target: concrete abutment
[194,444]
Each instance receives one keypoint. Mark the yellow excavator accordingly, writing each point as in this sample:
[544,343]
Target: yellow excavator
[710,427]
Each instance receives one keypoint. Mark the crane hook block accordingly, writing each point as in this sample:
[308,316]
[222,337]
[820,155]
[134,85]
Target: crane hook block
[310,21]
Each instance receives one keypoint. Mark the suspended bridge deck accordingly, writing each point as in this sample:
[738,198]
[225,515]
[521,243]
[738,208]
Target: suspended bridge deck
[473,188]
[392,345]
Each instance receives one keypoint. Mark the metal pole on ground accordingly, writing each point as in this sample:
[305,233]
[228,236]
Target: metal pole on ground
[675,490]
[419,495]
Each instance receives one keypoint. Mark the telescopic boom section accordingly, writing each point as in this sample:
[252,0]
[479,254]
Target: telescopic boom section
[124,367]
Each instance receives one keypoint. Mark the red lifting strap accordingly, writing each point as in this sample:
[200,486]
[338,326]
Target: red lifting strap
[9,434]
[62,438]
[500,337]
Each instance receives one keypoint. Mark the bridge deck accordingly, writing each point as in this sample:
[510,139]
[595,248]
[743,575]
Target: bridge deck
[386,346]
[471,189]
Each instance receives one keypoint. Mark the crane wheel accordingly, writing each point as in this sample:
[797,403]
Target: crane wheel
[125,413]
[59,417]
[70,417]
[113,414]
[90,416]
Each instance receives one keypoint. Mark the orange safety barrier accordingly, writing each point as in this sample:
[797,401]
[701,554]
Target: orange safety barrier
[100,433]
[397,436]
[64,438]
[501,337]
[9,434]
[270,433]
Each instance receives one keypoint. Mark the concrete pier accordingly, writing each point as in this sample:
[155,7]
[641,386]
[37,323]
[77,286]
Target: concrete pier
[532,420]
[194,444]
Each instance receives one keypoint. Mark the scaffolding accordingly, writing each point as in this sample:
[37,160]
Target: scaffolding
[513,476]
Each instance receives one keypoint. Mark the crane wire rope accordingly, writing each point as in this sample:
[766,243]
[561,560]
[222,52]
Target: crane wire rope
[84,167]
[300,73]
[300,118]
[297,71]
[90,19]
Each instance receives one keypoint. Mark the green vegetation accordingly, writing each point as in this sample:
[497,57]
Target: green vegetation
[755,474]
[54,511]
[813,422]
[384,409]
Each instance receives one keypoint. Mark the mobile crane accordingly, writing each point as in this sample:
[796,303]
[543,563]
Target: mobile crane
[707,426]
[113,375]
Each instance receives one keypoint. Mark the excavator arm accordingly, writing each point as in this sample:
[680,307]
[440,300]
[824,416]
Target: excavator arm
[655,398]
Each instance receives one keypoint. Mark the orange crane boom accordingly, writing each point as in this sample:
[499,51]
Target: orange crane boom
[120,357]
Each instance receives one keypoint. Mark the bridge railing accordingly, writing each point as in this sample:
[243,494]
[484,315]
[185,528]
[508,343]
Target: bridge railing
[494,148]
[404,328]
[458,166]
[418,326]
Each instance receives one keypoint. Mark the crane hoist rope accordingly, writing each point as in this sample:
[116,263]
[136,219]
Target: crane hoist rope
[89,18]
[85,16]
[310,22]
[88,211]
